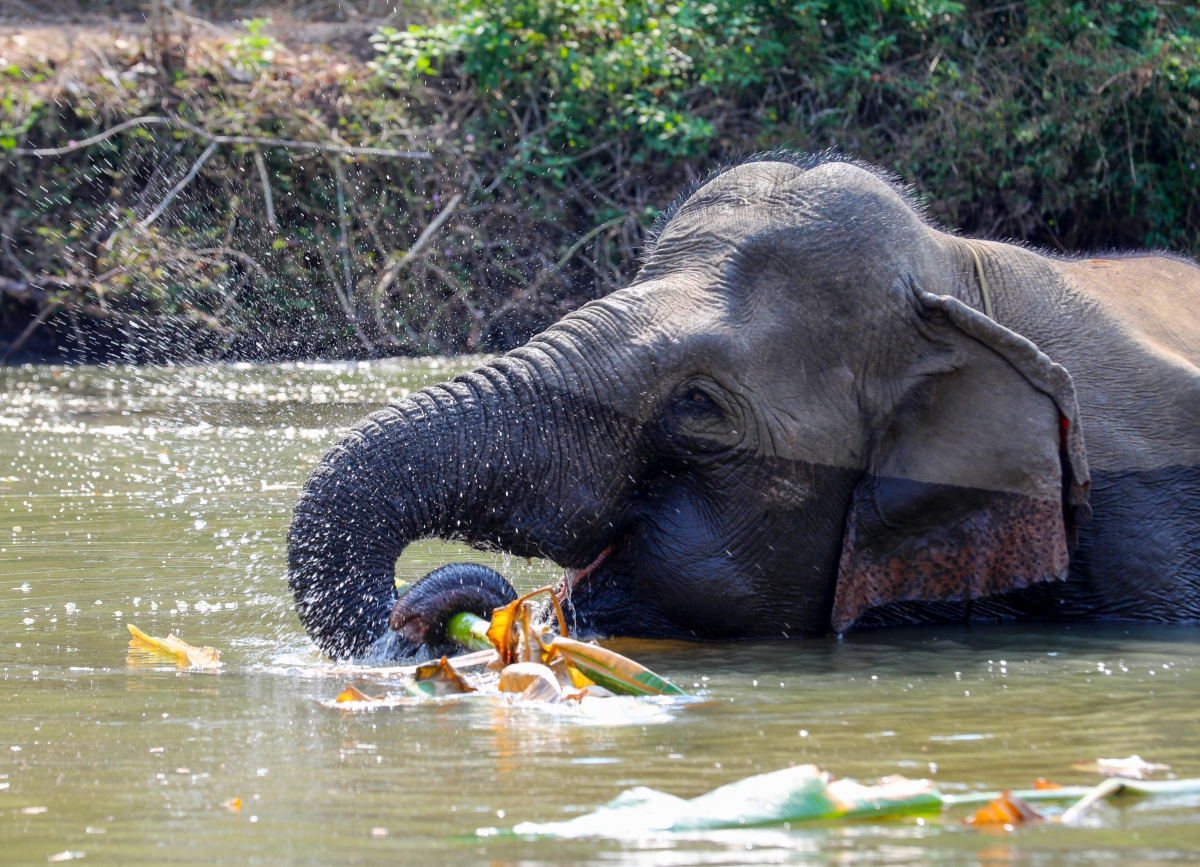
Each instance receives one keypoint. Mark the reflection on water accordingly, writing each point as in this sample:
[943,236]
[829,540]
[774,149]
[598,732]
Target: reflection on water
[160,497]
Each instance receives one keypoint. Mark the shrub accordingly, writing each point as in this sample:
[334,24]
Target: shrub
[1063,124]
[559,129]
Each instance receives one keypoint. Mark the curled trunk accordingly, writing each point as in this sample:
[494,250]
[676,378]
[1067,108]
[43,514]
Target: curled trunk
[436,464]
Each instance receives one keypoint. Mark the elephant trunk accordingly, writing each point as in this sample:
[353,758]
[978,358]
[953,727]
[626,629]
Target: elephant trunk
[431,465]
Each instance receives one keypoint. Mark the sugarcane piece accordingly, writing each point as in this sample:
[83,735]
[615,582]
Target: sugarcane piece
[469,631]
[518,639]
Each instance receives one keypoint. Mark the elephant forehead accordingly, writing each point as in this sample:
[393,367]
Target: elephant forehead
[750,197]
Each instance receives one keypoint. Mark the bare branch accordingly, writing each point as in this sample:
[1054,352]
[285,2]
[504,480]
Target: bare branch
[266,188]
[532,289]
[45,313]
[344,241]
[178,188]
[398,262]
[154,120]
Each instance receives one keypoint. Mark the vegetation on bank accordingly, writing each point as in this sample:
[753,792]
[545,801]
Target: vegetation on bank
[551,132]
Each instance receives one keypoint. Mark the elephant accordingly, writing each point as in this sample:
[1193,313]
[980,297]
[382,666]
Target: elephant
[811,410]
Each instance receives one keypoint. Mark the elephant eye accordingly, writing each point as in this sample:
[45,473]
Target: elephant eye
[697,401]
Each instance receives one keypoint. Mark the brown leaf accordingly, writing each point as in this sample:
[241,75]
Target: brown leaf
[501,632]
[1008,809]
[439,678]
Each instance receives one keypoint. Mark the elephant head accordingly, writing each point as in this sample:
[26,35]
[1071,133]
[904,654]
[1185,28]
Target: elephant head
[796,414]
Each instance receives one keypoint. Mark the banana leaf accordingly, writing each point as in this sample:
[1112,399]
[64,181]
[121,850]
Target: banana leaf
[611,670]
[806,794]
[511,633]
[437,678]
[797,794]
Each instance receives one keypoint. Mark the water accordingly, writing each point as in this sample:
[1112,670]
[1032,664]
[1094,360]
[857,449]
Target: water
[160,497]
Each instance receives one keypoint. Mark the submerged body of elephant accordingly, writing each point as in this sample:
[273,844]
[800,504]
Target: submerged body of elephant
[810,410]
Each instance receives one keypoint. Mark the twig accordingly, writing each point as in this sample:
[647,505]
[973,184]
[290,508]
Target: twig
[266,188]
[240,256]
[158,171]
[549,272]
[398,262]
[178,188]
[10,225]
[45,313]
[343,301]
[344,241]
[150,120]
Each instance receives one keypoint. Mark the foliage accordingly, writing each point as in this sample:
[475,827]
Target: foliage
[558,129]
[1067,125]
[255,51]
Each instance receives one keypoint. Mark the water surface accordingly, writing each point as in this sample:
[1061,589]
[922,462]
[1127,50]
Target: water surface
[161,497]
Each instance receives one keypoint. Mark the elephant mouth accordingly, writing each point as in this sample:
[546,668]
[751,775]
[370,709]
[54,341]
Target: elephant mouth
[573,579]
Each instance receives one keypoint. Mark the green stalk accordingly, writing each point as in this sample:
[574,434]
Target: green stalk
[469,631]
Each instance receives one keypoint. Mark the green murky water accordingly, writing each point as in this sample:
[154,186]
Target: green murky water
[161,497]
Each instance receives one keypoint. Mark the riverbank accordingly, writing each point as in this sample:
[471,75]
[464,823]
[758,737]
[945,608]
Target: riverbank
[368,180]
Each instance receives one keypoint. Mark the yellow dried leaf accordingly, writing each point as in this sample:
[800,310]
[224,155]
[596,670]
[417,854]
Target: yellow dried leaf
[513,632]
[201,657]
[351,693]
[233,805]
[500,633]
[439,678]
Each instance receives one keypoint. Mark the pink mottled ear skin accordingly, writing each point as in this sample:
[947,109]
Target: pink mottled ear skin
[1004,542]
[964,498]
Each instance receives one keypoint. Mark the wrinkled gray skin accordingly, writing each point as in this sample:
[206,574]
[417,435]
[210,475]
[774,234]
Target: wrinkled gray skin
[795,420]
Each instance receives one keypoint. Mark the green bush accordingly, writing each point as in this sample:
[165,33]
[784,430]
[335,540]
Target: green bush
[1064,124]
[559,129]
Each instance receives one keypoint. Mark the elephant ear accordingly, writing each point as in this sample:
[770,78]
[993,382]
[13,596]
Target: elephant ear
[978,483]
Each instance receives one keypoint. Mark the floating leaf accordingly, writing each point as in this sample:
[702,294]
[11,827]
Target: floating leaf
[803,793]
[1008,809]
[351,693]
[233,805]
[1132,767]
[200,657]
[435,679]
[612,670]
